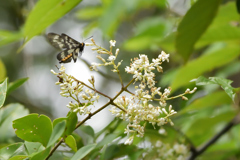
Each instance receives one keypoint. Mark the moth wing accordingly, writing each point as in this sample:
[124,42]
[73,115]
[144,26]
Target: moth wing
[57,41]
[65,56]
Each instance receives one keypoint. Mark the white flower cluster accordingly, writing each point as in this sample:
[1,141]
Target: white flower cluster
[110,60]
[142,69]
[71,87]
[169,152]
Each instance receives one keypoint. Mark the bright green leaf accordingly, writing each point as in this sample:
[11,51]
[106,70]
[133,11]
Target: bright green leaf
[89,13]
[41,155]
[224,83]
[194,24]
[18,157]
[14,85]
[3,71]
[11,150]
[34,128]
[3,92]
[72,120]
[7,37]
[71,142]
[197,67]
[33,147]
[57,132]
[45,13]
[7,115]
[210,100]
[82,152]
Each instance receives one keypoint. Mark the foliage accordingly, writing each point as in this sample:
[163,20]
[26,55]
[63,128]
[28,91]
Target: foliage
[204,42]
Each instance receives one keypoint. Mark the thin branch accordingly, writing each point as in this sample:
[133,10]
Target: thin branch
[201,149]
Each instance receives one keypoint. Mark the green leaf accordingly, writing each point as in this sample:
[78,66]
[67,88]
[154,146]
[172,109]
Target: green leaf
[41,155]
[224,83]
[34,128]
[11,150]
[210,100]
[148,34]
[71,142]
[72,120]
[3,92]
[194,24]
[223,28]
[18,157]
[195,68]
[107,140]
[3,71]
[45,13]
[88,130]
[7,37]
[7,115]
[33,147]
[82,152]
[14,85]
[57,132]
[111,17]
[89,13]
[238,6]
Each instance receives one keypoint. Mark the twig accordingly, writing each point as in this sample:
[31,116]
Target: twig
[199,151]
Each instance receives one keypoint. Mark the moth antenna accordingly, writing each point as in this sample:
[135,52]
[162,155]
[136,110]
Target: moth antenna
[88,38]
[56,67]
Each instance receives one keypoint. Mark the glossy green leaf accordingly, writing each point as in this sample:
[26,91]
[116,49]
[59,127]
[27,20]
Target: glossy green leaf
[210,100]
[199,132]
[89,13]
[82,152]
[107,139]
[223,28]
[33,147]
[194,24]
[41,155]
[72,120]
[19,157]
[3,71]
[3,92]
[71,142]
[224,83]
[14,85]
[197,67]
[45,13]
[57,132]
[11,150]
[7,115]
[58,120]
[7,37]
[34,128]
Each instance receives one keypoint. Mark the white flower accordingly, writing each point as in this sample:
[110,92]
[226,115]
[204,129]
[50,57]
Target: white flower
[111,58]
[163,56]
[94,66]
[129,140]
[180,149]
[112,43]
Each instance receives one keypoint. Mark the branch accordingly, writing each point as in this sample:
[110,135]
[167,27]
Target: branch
[199,151]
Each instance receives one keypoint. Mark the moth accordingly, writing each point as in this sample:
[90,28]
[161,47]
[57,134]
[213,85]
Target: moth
[70,48]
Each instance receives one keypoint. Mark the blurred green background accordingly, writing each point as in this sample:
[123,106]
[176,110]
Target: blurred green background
[202,38]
